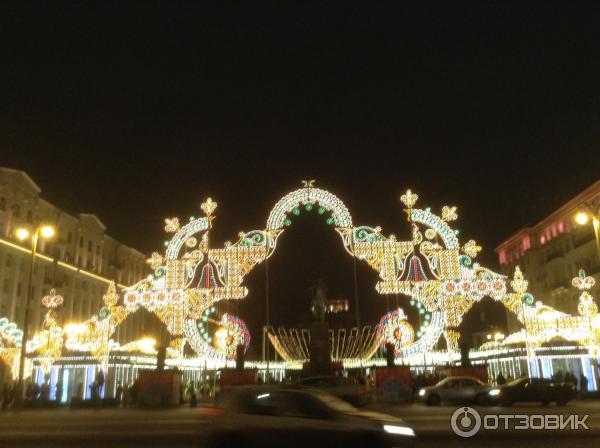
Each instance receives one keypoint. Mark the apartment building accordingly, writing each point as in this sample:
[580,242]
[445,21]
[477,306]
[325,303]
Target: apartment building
[551,252]
[78,262]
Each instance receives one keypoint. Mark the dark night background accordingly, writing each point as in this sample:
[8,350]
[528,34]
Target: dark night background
[137,112]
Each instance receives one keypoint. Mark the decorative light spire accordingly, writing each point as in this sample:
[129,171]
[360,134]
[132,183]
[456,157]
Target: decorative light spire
[409,199]
[171,225]
[208,207]
[519,284]
[111,297]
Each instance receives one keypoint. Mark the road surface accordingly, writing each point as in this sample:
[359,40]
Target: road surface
[185,427]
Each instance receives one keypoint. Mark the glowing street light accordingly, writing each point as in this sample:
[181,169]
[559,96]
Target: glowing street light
[44,231]
[583,216]
[22,234]
[47,231]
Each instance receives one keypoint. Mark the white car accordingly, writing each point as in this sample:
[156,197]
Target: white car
[455,389]
[264,416]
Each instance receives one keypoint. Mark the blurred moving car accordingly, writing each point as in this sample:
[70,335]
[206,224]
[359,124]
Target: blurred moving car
[344,388]
[455,389]
[263,416]
[533,389]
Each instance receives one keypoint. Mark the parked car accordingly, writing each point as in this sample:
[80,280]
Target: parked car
[533,389]
[294,416]
[455,389]
[344,388]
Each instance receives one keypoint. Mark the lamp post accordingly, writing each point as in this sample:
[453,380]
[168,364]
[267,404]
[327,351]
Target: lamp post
[587,212]
[45,232]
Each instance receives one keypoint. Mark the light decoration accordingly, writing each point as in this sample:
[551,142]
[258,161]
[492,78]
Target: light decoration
[10,334]
[146,346]
[345,345]
[234,332]
[48,342]
[543,324]
[586,306]
[171,225]
[10,342]
[94,335]
[395,329]
[432,268]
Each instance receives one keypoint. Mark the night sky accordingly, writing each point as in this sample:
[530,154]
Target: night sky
[136,113]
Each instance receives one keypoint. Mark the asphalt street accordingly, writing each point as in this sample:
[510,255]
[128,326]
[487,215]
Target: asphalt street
[185,427]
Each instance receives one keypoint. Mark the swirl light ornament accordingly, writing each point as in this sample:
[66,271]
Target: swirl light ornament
[395,329]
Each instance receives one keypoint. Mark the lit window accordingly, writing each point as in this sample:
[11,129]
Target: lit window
[502,256]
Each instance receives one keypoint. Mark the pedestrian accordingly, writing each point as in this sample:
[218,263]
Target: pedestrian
[100,383]
[569,377]
[500,380]
[583,383]
[36,392]
[29,392]
[45,394]
[119,393]
[193,397]
[126,396]
[59,393]
[134,394]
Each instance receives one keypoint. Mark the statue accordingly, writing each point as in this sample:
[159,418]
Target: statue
[318,305]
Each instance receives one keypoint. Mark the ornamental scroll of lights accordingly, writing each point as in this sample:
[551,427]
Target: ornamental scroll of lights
[432,268]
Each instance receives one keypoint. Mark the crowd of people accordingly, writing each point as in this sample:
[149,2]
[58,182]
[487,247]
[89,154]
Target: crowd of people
[36,395]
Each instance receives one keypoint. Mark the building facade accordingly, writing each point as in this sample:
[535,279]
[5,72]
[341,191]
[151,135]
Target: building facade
[551,253]
[79,262]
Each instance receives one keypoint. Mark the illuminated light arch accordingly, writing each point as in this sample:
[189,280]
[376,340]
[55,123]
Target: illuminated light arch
[309,195]
[431,267]
[389,257]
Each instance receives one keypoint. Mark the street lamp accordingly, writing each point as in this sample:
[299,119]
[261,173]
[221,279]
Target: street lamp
[585,214]
[44,231]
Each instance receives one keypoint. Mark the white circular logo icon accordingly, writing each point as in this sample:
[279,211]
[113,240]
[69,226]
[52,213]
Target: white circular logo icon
[465,422]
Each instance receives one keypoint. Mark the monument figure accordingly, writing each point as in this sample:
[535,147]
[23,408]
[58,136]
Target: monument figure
[318,305]
[320,356]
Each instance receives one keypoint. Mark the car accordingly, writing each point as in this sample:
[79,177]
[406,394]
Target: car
[290,416]
[529,389]
[344,388]
[455,389]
